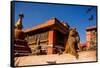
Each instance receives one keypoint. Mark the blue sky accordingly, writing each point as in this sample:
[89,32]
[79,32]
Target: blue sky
[74,15]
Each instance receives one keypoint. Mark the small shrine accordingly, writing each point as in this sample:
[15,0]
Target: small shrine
[20,44]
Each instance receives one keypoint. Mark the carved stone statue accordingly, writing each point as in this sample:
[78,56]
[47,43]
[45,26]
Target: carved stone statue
[72,43]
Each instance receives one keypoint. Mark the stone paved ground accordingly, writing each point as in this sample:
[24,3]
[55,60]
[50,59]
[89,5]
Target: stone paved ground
[84,56]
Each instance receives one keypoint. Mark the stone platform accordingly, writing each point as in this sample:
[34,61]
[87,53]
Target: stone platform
[85,56]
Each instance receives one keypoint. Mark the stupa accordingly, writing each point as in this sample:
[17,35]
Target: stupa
[20,44]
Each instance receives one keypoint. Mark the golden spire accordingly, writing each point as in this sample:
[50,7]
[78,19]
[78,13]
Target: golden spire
[19,22]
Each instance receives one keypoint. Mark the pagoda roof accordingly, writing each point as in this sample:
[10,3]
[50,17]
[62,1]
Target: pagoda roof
[52,22]
[91,28]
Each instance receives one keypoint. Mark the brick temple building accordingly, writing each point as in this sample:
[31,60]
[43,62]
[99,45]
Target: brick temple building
[91,37]
[49,36]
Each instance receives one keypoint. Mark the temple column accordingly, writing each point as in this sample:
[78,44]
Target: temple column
[51,34]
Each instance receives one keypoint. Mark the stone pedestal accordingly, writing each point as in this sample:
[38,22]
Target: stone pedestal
[20,45]
[21,48]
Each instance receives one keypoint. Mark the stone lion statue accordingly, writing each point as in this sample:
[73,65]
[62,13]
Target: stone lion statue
[72,43]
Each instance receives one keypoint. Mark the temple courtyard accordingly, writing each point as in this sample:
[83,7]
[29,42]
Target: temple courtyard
[84,56]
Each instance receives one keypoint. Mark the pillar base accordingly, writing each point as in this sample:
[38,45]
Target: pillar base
[50,49]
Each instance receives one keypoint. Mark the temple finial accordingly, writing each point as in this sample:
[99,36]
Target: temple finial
[21,15]
[19,22]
